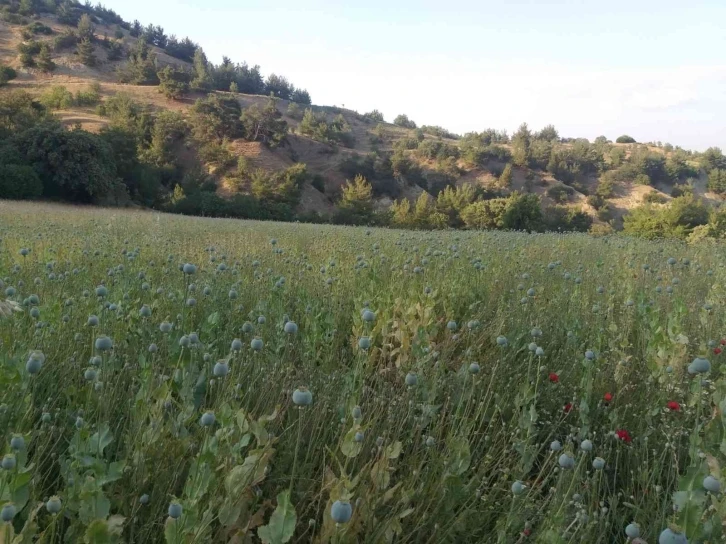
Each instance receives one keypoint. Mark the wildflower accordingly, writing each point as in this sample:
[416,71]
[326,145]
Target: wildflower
[673,406]
[567,408]
[607,397]
[717,351]
[623,435]
[554,378]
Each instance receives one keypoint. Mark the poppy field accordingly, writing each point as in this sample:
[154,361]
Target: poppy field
[192,380]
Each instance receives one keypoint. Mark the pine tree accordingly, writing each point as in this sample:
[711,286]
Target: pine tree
[521,141]
[44,61]
[85,28]
[356,198]
[202,78]
[85,53]
[233,88]
[505,179]
[173,82]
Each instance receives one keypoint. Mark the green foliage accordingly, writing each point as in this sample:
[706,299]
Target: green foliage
[86,53]
[264,124]
[403,121]
[712,158]
[654,197]
[677,220]
[19,111]
[57,98]
[565,219]
[6,74]
[505,179]
[44,62]
[141,66]
[439,132]
[67,39]
[374,116]
[317,126]
[89,97]
[174,82]
[625,139]
[560,193]
[216,117]
[301,96]
[279,87]
[73,165]
[86,29]
[356,203]
[717,181]
[19,182]
[437,150]
[485,214]
[521,142]
[293,111]
[548,133]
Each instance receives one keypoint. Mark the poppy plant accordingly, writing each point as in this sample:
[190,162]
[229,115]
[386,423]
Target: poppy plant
[554,378]
[607,397]
[673,406]
[624,435]
[717,351]
[568,407]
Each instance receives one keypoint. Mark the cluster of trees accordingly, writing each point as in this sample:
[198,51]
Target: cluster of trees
[143,67]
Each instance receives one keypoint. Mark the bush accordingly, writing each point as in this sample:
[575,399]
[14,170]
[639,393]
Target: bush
[439,132]
[560,193]
[36,27]
[65,41]
[319,183]
[625,139]
[57,98]
[374,116]
[403,121]
[6,74]
[655,197]
[19,182]
[89,97]
[564,219]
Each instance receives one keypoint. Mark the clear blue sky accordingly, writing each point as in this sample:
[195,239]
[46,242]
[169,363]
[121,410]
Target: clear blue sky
[654,69]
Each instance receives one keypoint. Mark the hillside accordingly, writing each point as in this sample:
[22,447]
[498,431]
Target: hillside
[400,162]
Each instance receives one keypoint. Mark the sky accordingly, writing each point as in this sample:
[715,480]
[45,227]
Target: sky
[655,70]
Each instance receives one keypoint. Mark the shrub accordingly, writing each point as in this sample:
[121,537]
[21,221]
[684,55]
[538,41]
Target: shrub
[655,197]
[625,139]
[439,132]
[560,193]
[57,98]
[564,219]
[374,116]
[64,41]
[89,97]
[19,182]
[6,74]
[403,121]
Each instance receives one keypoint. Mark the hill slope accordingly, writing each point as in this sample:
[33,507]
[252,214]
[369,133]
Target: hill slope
[400,162]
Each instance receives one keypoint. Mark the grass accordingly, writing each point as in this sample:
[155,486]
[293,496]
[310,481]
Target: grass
[425,445]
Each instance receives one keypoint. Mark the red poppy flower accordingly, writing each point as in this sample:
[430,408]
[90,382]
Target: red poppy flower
[723,341]
[527,532]
[716,351]
[673,406]
[607,397]
[568,407]
[554,378]
[623,435]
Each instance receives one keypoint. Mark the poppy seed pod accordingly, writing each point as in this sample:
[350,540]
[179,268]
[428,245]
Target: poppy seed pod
[518,487]
[566,461]
[175,510]
[341,512]
[364,342]
[555,445]
[411,379]
[207,419]
[9,462]
[632,530]
[189,269]
[699,365]
[302,397]
[712,484]
[104,343]
[17,442]
[53,505]
[598,463]
[257,344]
[8,513]
[221,369]
[474,368]
[668,536]
[290,327]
